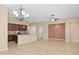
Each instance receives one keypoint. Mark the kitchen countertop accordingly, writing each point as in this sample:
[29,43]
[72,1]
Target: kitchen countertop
[19,34]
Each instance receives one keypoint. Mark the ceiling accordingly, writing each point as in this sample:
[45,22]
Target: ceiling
[41,12]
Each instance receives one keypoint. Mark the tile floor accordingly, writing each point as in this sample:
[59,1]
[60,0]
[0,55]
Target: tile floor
[43,47]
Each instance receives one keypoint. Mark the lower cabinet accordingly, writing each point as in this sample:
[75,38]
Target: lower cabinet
[12,38]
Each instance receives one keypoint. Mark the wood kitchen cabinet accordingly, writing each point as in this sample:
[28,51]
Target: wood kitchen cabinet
[13,27]
[22,27]
[12,38]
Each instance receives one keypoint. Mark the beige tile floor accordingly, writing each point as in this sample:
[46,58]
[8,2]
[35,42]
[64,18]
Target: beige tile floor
[43,47]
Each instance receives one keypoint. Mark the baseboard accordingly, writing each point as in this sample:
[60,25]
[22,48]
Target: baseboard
[45,38]
[3,50]
[72,41]
[75,41]
[55,39]
[26,42]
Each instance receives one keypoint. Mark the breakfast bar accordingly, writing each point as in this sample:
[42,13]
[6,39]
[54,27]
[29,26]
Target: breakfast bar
[25,38]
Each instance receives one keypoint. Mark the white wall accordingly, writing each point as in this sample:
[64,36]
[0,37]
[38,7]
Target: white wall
[3,28]
[39,32]
[44,33]
[32,30]
[74,31]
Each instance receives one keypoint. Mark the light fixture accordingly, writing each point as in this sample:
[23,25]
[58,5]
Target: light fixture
[27,15]
[52,19]
[21,14]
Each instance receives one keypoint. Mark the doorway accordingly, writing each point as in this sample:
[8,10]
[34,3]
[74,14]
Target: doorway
[39,30]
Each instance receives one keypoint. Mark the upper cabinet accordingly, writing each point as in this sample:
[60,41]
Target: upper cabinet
[13,27]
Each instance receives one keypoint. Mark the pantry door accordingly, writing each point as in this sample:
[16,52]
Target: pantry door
[56,31]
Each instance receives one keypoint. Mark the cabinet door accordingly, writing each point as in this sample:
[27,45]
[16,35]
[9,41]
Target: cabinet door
[13,27]
[15,38]
[9,27]
[10,38]
[22,27]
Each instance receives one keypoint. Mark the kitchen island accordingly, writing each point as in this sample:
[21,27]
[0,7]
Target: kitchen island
[25,38]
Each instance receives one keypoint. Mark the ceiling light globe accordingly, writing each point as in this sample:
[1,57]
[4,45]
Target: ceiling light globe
[15,12]
[27,15]
[52,19]
[23,12]
[16,15]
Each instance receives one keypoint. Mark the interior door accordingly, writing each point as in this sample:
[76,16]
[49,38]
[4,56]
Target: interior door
[56,31]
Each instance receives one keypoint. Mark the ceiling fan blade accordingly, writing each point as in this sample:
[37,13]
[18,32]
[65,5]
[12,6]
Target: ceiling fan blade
[56,18]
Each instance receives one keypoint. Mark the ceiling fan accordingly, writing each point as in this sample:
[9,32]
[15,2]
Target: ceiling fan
[52,18]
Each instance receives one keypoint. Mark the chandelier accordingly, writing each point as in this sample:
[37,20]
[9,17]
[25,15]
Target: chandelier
[21,14]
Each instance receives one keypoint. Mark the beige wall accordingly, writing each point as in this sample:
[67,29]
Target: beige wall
[74,31]
[3,28]
[71,28]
